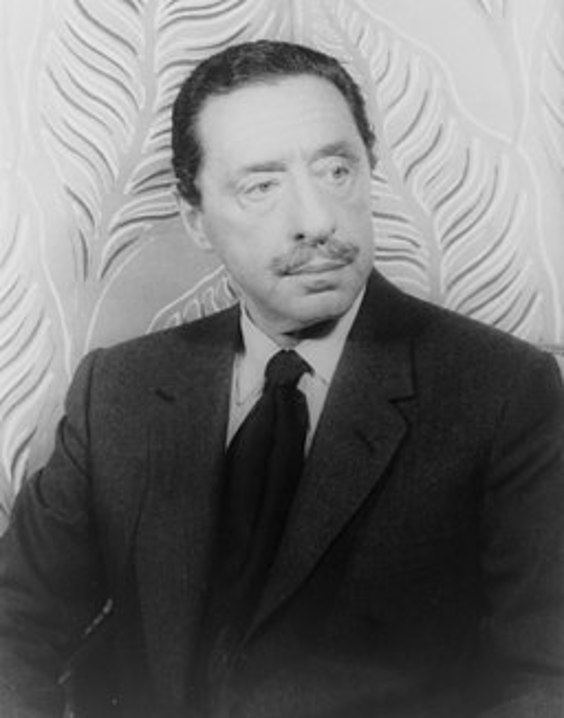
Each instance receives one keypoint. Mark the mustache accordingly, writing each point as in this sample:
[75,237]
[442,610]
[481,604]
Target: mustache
[330,248]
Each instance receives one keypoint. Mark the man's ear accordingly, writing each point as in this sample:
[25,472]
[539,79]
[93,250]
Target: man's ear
[192,220]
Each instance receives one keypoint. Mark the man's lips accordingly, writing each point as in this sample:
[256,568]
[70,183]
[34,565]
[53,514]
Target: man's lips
[319,267]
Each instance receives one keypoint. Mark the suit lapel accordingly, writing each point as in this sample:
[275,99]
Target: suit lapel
[360,430]
[177,521]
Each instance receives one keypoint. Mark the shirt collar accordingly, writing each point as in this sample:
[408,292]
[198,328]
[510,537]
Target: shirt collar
[322,354]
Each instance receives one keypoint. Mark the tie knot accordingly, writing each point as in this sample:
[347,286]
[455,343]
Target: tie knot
[285,369]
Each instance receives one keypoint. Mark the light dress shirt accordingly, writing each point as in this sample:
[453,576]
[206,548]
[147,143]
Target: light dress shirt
[322,354]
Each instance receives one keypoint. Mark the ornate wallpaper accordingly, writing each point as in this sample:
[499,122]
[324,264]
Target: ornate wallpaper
[467,99]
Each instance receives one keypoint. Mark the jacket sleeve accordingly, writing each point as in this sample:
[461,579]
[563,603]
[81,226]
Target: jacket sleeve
[523,550]
[51,581]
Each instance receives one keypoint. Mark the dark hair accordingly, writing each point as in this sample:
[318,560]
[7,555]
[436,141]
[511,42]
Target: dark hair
[246,64]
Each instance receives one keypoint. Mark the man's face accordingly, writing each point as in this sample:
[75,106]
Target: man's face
[285,186]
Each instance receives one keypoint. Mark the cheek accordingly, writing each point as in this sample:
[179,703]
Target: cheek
[247,258]
[355,209]
[356,226]
[359,204]
[227,237]
[252,245]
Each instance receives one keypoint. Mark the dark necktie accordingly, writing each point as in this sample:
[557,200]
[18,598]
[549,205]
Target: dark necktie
[264,462]
[263,465]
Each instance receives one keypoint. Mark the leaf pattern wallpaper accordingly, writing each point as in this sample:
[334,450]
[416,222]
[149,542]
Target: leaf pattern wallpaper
[467,99]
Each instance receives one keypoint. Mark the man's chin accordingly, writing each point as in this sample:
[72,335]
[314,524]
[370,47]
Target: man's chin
[300,314]
[318,313]
[316,330]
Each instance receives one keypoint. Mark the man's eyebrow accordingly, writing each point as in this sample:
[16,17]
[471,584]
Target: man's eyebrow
[341,148]
[268,166]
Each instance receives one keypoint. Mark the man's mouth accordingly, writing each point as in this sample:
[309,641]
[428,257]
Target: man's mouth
[318,267]
[315,258]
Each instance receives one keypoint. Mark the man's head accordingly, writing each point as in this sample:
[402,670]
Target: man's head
[263,61]
[272,150]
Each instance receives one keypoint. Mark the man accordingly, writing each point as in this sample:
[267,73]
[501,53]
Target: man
[407,560]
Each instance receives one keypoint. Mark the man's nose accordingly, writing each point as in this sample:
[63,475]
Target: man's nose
[314,216]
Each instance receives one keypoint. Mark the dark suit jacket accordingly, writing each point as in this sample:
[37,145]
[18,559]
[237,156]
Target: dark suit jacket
[421,571]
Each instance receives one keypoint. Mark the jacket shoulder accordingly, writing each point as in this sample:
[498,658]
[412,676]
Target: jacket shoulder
[182,337]
[130,371]
[439,332]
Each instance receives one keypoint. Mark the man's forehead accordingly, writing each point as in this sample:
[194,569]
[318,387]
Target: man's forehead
[265,116]
[272,82]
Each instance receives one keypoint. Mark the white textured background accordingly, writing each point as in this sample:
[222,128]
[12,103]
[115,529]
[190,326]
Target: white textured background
[467,98]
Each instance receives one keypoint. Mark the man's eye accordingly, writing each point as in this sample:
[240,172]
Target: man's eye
[336,172]
[340,172]
[259,190]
